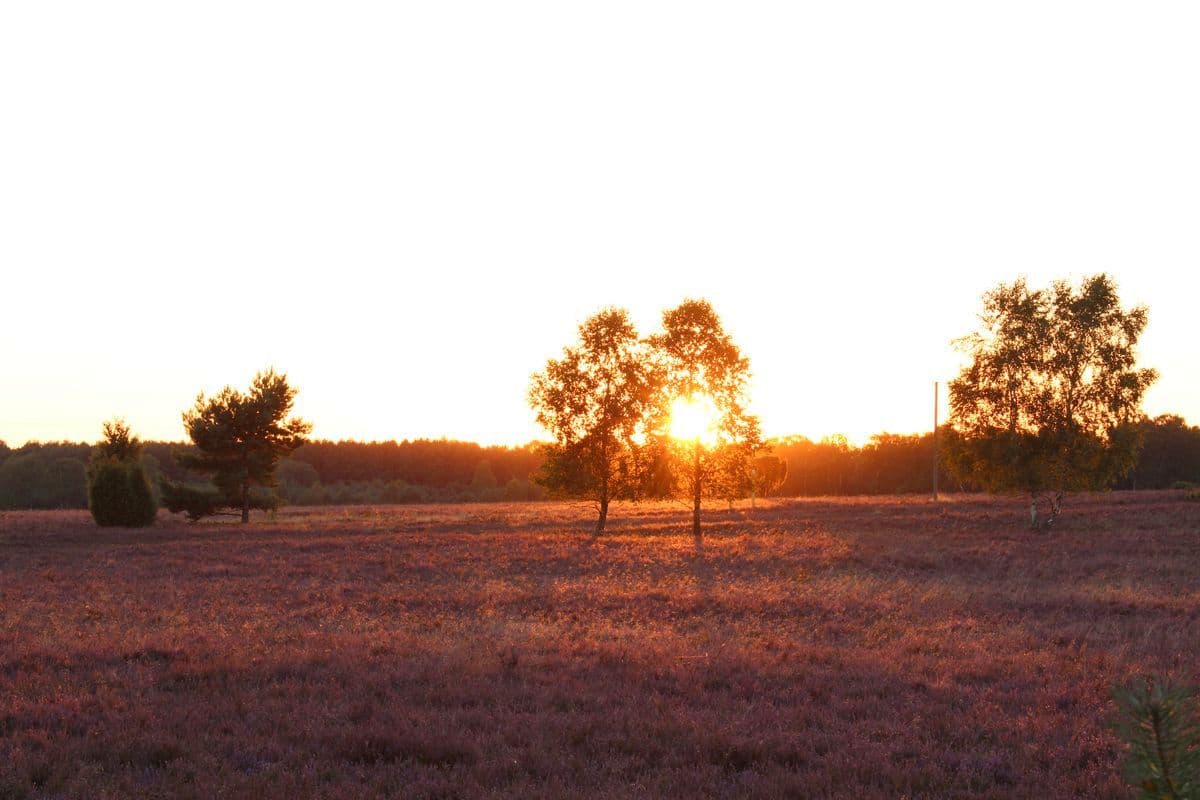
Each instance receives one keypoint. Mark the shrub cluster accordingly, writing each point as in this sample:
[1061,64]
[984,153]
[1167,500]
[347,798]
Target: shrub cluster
[118,489]
[119,493]
[205,500]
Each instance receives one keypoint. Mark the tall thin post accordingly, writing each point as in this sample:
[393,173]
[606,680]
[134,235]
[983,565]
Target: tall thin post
[935,441]
[696,499]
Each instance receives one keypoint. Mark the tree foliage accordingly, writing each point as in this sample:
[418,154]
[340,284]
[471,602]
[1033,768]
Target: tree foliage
[436,463]
[767,474]
[484,479]
[1170,454]
[597,401]
[239,438]
[700,360]
[37,477]
[1050,398]
[119,492]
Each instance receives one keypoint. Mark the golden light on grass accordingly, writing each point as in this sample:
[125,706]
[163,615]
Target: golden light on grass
[694,418]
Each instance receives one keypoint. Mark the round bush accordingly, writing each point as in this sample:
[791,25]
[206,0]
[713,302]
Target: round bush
[119,493]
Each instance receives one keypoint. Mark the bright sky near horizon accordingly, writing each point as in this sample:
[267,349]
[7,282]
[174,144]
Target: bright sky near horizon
[409,207]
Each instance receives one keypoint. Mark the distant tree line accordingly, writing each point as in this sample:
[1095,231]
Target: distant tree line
[903,464]
[50,475]
[886,464]
[439,463]
[1169,458]
[412,471]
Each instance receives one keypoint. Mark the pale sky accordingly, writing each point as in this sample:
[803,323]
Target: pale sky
[409,207]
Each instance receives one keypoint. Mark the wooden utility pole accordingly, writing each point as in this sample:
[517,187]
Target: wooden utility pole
[696,499]
[935,441]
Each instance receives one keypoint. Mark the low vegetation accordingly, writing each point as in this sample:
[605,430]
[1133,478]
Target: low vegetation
[820,648]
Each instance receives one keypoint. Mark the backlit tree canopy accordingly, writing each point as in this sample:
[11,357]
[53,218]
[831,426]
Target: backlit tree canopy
[597,401]
[1050,398]
[633,416]
[705,368]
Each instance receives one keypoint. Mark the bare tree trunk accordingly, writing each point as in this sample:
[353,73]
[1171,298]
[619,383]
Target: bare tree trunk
[1055,508]
[603,511]
[696,500]
[245,502]
[1033,504]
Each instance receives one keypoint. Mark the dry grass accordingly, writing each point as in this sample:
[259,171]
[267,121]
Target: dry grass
[821,648]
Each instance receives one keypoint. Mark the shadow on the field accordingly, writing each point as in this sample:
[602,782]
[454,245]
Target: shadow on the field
[495,715]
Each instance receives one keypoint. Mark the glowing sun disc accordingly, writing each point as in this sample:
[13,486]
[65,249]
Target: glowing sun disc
[694,418]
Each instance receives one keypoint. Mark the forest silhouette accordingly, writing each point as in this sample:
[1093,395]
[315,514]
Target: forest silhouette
[50,475]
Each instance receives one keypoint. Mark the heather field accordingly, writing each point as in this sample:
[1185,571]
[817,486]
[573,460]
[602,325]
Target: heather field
[881,648]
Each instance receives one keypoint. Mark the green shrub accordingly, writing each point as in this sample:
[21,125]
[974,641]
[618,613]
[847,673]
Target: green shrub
[1161,724]
[199,501]
[119,493]
[195,501]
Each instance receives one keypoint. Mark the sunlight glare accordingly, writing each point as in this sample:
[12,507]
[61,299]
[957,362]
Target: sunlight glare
[694,418]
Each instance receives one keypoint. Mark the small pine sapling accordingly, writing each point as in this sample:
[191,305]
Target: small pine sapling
[1161,724]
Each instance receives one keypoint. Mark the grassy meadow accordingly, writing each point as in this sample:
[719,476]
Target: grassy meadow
[857,648]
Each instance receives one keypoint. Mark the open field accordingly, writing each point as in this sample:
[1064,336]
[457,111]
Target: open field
[820,648]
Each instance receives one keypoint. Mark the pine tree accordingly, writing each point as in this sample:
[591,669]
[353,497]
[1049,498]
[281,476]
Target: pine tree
[1161,724]
[239,439]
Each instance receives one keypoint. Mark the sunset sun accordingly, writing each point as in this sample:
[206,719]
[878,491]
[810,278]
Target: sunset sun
[694,417]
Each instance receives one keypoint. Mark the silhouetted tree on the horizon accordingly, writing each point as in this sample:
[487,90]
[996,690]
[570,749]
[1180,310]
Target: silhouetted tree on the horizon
[597,401]
[1051,398]
[701,361]
[239,439]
